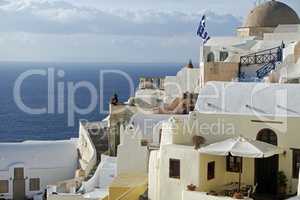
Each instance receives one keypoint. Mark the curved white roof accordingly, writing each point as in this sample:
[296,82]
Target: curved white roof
[250,98]
[39,154]
[146,122]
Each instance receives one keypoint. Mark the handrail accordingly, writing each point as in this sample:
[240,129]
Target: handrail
[266,69]
[262,51]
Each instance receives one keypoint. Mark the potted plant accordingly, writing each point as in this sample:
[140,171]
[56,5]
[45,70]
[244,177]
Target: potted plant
[191,187]
[198,141]
[282,182]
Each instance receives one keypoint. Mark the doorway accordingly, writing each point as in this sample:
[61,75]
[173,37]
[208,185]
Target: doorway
[266,169]
[19,184]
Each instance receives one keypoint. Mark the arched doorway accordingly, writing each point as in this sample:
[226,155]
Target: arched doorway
[266,169]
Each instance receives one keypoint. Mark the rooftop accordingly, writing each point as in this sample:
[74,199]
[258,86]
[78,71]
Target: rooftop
[249,98]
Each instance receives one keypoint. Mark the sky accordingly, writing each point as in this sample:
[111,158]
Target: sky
[114,30]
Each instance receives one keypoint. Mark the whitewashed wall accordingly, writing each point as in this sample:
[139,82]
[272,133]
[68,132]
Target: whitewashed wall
[103,176]
[87,150]
[153,176]
[186,80]
[170,188]
[132,157]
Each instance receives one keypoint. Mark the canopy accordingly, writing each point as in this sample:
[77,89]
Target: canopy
[241,147]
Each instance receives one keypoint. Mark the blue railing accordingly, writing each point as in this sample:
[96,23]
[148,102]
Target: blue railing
[262,57]
[267,58]
[265,70]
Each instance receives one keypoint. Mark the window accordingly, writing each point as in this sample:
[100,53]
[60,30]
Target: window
[34,184]
[4,186]
[296,163]
[234,164]
[174,168]
[210,170]
[223,55]
[211,57]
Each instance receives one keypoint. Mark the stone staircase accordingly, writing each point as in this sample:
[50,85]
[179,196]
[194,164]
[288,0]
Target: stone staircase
[100,142]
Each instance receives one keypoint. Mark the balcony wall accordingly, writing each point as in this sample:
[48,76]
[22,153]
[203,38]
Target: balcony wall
[189,195]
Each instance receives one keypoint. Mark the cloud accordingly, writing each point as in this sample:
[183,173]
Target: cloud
[58,17]
[50,30]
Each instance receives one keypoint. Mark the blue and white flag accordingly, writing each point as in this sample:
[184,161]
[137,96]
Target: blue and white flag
[201,32]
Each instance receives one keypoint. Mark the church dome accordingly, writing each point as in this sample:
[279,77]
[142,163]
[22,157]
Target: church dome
[271,14]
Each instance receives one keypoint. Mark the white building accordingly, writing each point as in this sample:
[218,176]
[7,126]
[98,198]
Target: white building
[187,80]
[222,114]
[265,56]
[97,187]
[27,168]
[138,138]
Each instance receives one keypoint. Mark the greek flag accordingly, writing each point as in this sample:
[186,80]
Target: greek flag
[201,32]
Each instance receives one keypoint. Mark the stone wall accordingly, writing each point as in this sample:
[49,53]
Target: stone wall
[219,71]
[120,115]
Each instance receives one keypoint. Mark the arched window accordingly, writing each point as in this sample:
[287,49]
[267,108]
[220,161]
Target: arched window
[268,136]
[211,57]
[223,55]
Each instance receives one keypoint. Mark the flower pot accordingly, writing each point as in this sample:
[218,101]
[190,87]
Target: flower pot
[191,187]
[198,141]
[238,195]
[282,189]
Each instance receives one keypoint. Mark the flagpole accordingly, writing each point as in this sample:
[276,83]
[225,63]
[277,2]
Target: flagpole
[201,53]
[240,174]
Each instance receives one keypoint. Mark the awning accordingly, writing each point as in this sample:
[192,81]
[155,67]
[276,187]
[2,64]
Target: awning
[242,147]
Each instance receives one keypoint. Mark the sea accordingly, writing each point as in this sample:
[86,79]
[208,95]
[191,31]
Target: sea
[46,101]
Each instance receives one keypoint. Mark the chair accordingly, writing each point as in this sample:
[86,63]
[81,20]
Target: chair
[252,191]
[249,192]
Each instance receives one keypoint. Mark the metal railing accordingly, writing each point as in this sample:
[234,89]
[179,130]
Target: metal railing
[268,58]
[265,70]
[262,57]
